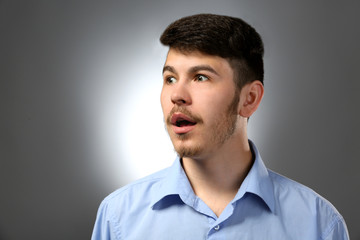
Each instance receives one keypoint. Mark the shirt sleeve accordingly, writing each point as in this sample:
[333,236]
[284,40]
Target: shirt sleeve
[104,227]
[338,231]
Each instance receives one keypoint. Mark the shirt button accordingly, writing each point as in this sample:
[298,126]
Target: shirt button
[217,227]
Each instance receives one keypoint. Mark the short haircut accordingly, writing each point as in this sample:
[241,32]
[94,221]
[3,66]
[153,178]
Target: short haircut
[227,37]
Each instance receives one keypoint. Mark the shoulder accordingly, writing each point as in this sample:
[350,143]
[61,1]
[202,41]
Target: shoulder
[128,202]
[139,187]
[288,190]
[294,200]
[133,195]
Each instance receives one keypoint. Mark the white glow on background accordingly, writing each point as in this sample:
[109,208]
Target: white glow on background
[147,147]
[131,140]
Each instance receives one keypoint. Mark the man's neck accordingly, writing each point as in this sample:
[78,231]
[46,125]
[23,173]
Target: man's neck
[217,177]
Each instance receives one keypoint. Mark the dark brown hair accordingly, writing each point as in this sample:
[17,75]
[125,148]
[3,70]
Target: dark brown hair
[227,37]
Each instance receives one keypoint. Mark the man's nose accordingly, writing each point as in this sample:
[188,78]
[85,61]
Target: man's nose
[181,95]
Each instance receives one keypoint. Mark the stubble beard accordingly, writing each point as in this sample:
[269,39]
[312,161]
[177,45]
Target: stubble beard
[223,128]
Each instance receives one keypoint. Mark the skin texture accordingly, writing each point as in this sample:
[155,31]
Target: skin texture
[215,151]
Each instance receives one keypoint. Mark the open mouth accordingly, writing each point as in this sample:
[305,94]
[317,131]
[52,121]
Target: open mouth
[182,123]
[182,120]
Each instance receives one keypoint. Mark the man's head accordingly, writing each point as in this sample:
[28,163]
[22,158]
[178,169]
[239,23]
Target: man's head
[227,37]
[213,82]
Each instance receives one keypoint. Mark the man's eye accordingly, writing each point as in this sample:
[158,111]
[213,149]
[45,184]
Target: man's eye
[170,80]
[201,78]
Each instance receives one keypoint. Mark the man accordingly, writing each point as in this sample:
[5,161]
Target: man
[218,187]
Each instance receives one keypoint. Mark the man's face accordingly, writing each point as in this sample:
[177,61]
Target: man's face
[199,101]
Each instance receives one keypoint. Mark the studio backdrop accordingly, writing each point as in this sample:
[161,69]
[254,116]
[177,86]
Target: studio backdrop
[80,111]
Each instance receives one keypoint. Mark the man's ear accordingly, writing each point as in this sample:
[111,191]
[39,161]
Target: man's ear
[250,98]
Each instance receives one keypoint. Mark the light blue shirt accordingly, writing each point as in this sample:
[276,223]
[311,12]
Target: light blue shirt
[267,206]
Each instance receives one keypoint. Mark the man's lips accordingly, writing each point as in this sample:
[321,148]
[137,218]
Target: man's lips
[181,123]
[178,118]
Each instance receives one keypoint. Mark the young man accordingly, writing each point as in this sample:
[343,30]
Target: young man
[218,187]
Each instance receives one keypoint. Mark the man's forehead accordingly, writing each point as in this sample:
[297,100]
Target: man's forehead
[194,61]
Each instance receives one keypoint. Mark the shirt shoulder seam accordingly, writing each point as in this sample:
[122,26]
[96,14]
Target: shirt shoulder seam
[338,218]
[148,179]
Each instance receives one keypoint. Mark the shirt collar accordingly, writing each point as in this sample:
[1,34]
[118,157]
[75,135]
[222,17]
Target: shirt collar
[175,182]
[256,182]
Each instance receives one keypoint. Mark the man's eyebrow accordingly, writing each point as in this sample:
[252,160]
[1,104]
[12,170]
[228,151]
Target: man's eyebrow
[202,68]
[192,69]
[169,68]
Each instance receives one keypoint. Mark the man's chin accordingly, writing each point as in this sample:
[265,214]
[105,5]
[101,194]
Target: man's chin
[185,146]
[188,151]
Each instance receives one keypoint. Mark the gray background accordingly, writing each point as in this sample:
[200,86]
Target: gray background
[71,71]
